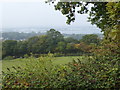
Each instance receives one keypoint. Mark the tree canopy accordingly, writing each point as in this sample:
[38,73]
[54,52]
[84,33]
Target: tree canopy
[104,15]
[53,42]
[90,38]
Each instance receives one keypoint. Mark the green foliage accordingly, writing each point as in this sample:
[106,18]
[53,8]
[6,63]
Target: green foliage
[21,48]
[70,48]
[8,48]
[37,44]
[91,38]
[98,71]
[113,32]
[61,46]
[35,74]
[53,42]
[68,9]
[53,37]
[104,15]
[83,48]
[71,40]
[41,73]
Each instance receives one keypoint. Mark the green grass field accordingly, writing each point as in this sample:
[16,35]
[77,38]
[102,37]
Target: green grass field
[22,62]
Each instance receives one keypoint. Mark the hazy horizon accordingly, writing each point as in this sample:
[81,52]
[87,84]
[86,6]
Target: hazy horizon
[39,15]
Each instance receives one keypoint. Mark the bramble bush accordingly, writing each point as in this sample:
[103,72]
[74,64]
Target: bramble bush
[93,74]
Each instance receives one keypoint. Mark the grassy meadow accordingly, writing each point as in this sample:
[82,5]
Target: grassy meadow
[23,61]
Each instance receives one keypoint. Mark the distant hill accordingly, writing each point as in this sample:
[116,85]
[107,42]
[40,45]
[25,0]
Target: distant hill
[23,35]
[18,35]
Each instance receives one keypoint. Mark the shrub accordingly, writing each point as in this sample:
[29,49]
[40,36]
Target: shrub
[36,74]
[41,73]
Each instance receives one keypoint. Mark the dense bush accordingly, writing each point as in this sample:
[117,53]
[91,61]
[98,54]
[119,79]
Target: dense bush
[85,73]
[34,75]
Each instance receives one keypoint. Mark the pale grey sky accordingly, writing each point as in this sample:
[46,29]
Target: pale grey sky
[0,15]
[37,14]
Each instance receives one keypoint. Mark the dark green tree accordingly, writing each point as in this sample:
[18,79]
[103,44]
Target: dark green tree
[90,38]
[71,40]
[21,48]
[37,44]
[70,48]
[8,48]
[53,37]
[61,47]
[41,45]
[32,44]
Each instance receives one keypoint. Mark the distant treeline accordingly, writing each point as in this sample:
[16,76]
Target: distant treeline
[23,35]
[53,42]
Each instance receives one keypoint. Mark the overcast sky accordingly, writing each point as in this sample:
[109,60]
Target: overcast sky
[36,14]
